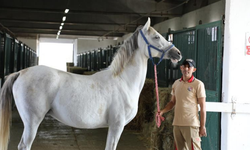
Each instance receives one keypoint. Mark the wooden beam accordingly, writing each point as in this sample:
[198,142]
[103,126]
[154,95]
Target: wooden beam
[64,30]
[68,23]
[80,12]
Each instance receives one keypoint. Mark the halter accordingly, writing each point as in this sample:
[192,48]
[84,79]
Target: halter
[158,117]
[151,46]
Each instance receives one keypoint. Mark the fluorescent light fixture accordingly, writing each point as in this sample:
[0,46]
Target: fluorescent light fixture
[60,27]
[64,18]
[57,37]
[62,24]
[115,38]
[58,33]
[66,11]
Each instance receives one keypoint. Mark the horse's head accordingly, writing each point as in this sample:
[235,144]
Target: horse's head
[156,45]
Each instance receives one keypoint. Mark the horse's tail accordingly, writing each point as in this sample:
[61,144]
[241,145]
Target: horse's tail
[6,97]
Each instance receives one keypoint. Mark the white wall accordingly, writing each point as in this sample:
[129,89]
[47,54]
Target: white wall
[31,42]
[120,40]
[211,13]
[89,44]
[236,71]
[174,24]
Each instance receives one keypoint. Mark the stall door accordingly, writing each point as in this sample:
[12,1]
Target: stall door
[184,40]
[209,62]
[1,58]
[203,44]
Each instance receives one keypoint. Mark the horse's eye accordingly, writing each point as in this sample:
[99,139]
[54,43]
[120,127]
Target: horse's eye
[157,37]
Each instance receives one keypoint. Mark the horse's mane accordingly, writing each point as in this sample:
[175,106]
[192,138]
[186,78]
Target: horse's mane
[125,53]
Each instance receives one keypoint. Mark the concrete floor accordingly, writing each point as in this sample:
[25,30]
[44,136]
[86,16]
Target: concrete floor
[53,135]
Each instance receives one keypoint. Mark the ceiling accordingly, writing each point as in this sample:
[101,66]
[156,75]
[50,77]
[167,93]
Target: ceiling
[98,18]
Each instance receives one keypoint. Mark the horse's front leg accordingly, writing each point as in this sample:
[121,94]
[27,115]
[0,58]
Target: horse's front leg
[114,134]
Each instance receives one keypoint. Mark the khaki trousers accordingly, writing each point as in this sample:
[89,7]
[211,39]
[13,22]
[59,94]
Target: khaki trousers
[187,138]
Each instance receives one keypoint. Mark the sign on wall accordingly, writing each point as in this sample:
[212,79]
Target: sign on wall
[248,43]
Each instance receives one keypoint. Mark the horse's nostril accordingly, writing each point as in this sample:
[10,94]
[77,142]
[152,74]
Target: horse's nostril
[179,53]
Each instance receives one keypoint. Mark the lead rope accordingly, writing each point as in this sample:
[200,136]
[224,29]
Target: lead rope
[158,117]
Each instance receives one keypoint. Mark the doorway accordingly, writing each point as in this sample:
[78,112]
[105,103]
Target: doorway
[55,55]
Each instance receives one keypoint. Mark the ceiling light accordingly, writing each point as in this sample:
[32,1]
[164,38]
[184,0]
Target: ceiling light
[58,33]
[64,18]
[60,27]
[62,24]
[57,37]
[66,11]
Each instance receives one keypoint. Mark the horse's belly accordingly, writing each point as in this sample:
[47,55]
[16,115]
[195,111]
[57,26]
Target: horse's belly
[81,118]
[131,115]
[76,121]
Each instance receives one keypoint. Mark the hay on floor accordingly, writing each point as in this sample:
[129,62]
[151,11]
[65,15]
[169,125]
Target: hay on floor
[76,70]
[89,72]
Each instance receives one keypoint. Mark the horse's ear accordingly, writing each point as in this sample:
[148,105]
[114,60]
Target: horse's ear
[147,25]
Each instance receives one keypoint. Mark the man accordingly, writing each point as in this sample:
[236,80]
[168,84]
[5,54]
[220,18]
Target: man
[187,93]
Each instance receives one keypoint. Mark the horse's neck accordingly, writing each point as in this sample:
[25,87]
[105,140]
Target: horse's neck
[135,72]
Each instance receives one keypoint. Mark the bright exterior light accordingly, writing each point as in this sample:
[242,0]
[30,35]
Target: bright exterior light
[60,27]
[62,24]
[64,18]
[48,51]
[66,11]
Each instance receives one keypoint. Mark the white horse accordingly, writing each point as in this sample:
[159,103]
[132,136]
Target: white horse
[108,98]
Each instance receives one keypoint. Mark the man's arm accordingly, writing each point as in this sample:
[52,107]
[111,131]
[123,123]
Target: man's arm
[170,105]
[202,103]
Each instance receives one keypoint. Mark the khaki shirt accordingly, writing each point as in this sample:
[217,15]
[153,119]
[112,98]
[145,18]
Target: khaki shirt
[186,106]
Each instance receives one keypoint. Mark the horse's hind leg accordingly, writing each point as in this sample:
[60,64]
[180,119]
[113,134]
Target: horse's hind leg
[29,134]
[32,117]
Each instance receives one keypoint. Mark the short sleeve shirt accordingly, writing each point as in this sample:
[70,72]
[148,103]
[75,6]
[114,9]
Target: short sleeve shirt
[186,106]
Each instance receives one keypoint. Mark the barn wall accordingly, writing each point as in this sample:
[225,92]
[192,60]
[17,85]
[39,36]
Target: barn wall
[120,40]
[211,13]
[87,45]
[236,70]
[31,42]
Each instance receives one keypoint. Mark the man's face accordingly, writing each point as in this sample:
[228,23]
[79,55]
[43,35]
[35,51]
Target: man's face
[187,71]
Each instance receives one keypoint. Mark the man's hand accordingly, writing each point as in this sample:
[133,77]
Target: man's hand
[161,113]
[202,131]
